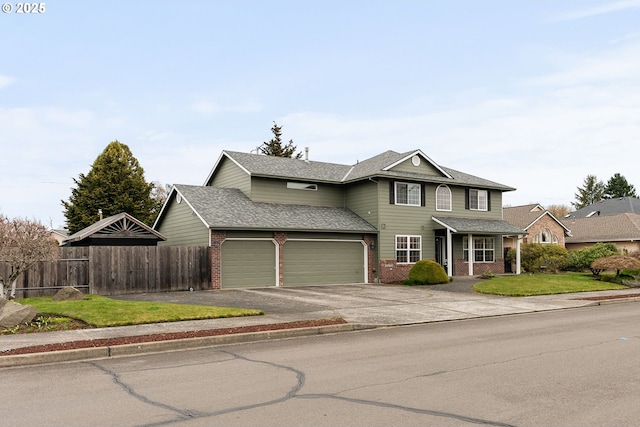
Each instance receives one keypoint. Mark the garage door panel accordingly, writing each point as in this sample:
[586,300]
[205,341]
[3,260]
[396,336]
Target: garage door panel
[323,262]
[248,263]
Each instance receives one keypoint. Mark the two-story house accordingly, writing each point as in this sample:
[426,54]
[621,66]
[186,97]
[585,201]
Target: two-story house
[273,221]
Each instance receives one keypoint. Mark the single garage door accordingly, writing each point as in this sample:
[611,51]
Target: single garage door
[323,262]
[248,263]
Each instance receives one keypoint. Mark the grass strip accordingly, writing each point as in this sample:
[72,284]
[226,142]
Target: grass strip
[100,311]
[543,284]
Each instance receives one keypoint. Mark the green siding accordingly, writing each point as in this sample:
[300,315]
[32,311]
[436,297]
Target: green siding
[416,220]
[181,227]
[276,191]
[424,167]
[229,175]
[362,198]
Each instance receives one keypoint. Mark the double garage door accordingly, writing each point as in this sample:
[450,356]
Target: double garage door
[253,263]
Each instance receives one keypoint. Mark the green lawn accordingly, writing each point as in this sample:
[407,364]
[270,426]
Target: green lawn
[543,284]
[101,311]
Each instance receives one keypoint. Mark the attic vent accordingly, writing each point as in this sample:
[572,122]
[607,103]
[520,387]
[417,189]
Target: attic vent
[415,160]
[593,213]
[302,186]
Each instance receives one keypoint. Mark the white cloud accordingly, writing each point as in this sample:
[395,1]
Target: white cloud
[607,7]
[5,81]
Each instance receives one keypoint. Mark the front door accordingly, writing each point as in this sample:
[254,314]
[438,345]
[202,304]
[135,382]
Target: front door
[441,257]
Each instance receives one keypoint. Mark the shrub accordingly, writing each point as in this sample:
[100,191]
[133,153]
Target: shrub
[535,257]
[615,262]
[427,272]
[582,259]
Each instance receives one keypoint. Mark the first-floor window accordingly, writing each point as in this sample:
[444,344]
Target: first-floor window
[408,248]
[483,249]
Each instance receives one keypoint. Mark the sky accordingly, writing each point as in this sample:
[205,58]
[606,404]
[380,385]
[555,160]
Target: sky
[535,95]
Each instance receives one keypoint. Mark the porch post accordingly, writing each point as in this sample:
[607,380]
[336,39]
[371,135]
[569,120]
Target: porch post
[449,254]
[471,252]
[518,254]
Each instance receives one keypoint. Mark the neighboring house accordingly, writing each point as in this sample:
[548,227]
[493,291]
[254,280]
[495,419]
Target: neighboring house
[622,229]
[59,234]
[273,221]
[541,225]
[610,221]
[608,207]
[117,230]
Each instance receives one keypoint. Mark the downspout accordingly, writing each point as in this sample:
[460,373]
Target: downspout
[518,271]
[449,253]
[471,253]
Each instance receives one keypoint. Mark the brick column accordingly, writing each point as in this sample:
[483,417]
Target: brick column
[281,238]
[369,239]
[217,237]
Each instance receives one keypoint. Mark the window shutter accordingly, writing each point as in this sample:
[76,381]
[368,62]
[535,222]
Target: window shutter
[488,200]
[466,198]
[423,201]
[392,192]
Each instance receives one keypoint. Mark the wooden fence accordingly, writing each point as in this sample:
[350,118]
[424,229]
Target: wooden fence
[113,270]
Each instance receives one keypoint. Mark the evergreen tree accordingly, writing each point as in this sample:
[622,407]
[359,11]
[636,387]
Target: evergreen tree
[592,191]
[114,184]
[617,186]
[274,146]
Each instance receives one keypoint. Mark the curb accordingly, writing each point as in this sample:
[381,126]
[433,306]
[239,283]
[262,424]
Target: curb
[171,345]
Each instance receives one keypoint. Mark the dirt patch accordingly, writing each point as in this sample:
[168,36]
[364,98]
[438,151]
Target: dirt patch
[108,342]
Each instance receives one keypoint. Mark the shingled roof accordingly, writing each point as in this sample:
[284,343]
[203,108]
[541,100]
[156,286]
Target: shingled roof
[484,226]
[229,208]
[377,166]
[526,215]
[608,207]
[608,228]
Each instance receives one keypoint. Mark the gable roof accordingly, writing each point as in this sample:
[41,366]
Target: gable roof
[230,208]
[117,227]
[608,207]
[527,215]
[608,228]
[380,165]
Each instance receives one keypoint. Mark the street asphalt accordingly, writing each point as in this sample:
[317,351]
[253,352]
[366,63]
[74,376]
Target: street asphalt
[361,305]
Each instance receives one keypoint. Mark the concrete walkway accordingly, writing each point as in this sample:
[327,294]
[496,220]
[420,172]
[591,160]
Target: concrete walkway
[361,305]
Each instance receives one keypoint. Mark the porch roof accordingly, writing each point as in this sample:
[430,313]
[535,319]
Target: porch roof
[478,226]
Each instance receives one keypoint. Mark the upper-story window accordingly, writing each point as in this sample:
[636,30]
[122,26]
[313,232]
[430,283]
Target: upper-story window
[478,200]
[407,194]
[443,198]
[302,186]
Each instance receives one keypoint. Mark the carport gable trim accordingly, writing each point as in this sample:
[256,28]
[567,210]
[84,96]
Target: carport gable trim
[364,248]
[253,239]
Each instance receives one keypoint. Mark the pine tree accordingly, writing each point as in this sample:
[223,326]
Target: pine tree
[617,186]
[114,184]
[592,191]
[274,146]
